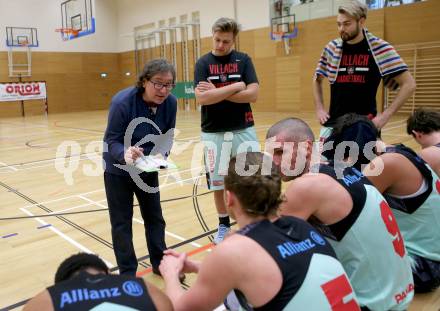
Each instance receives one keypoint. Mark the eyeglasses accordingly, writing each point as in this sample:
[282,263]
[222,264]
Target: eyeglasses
[160,86]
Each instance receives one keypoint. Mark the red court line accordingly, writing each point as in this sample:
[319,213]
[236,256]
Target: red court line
[146,271]
[191,253]
[200,249]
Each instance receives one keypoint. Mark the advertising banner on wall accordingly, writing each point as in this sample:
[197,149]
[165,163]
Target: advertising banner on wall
[16,91]
[184,90]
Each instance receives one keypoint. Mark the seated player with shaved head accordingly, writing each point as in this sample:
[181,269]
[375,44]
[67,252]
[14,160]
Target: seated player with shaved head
[271,263]
[352,214]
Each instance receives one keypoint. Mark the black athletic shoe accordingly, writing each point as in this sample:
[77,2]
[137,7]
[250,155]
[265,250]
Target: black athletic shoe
[157,271]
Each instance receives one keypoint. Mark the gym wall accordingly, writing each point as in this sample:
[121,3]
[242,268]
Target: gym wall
[74,82]
[286,81]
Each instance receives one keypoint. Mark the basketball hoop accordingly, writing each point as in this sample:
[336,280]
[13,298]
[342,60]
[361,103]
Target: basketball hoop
[66,33]
[277,35]
[285,37]
[280,35]
[23,43]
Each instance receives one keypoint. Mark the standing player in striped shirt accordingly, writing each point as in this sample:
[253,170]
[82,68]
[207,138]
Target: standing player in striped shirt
[354,64]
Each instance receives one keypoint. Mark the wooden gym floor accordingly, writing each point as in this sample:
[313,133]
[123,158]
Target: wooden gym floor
[32,184]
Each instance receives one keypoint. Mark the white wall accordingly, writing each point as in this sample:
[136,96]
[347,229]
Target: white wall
[116,20]
[45,15]
[317,9]
[251,14]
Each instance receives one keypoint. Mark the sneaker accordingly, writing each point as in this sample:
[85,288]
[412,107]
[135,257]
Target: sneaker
[221,233]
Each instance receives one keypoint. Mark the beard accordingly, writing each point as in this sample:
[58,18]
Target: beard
[345,36]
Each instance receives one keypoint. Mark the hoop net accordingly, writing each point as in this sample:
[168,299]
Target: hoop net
[277,36]
[66,33]
[23,44]
[280,35]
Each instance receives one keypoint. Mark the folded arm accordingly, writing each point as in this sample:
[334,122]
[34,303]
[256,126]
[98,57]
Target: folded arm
[249,95]
[207,94]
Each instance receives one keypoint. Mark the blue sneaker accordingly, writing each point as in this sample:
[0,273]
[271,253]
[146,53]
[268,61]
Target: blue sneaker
[221,233]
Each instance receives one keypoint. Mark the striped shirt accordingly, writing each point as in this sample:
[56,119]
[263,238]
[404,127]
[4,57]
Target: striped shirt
[387,59]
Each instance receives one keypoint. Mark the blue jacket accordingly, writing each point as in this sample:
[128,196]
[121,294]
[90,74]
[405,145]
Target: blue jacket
[152,132]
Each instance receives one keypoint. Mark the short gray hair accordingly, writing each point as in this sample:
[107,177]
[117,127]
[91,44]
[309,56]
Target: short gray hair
[354,8]
[224,24]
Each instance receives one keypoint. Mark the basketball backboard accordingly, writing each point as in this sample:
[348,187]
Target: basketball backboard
[283,22]
[282,19]
[21,36]
[77,16]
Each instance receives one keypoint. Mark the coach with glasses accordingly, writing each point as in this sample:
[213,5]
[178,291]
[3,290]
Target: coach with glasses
[146,110]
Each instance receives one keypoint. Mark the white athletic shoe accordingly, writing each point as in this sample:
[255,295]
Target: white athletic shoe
[221,233]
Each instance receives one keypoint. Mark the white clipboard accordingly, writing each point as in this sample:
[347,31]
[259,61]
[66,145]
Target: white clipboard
[153,164]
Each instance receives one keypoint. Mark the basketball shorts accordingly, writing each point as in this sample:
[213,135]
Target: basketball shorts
[220,147]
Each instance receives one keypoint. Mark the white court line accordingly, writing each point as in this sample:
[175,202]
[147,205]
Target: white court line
[4,165]
[52,147]
[198,136]
[64,198]
[61,158]
[71,160]
[62,128]
[178,237]
[91,201]
[51,162]
[392,127]
[174,172]
[71,208]
[396,121]
[65,237]
[14,137]
[75,207]
[397,135]
[13,148]
[21,125]
[102,189]
[177,182]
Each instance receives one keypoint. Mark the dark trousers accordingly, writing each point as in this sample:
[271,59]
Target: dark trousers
[119,191]
[426,275]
